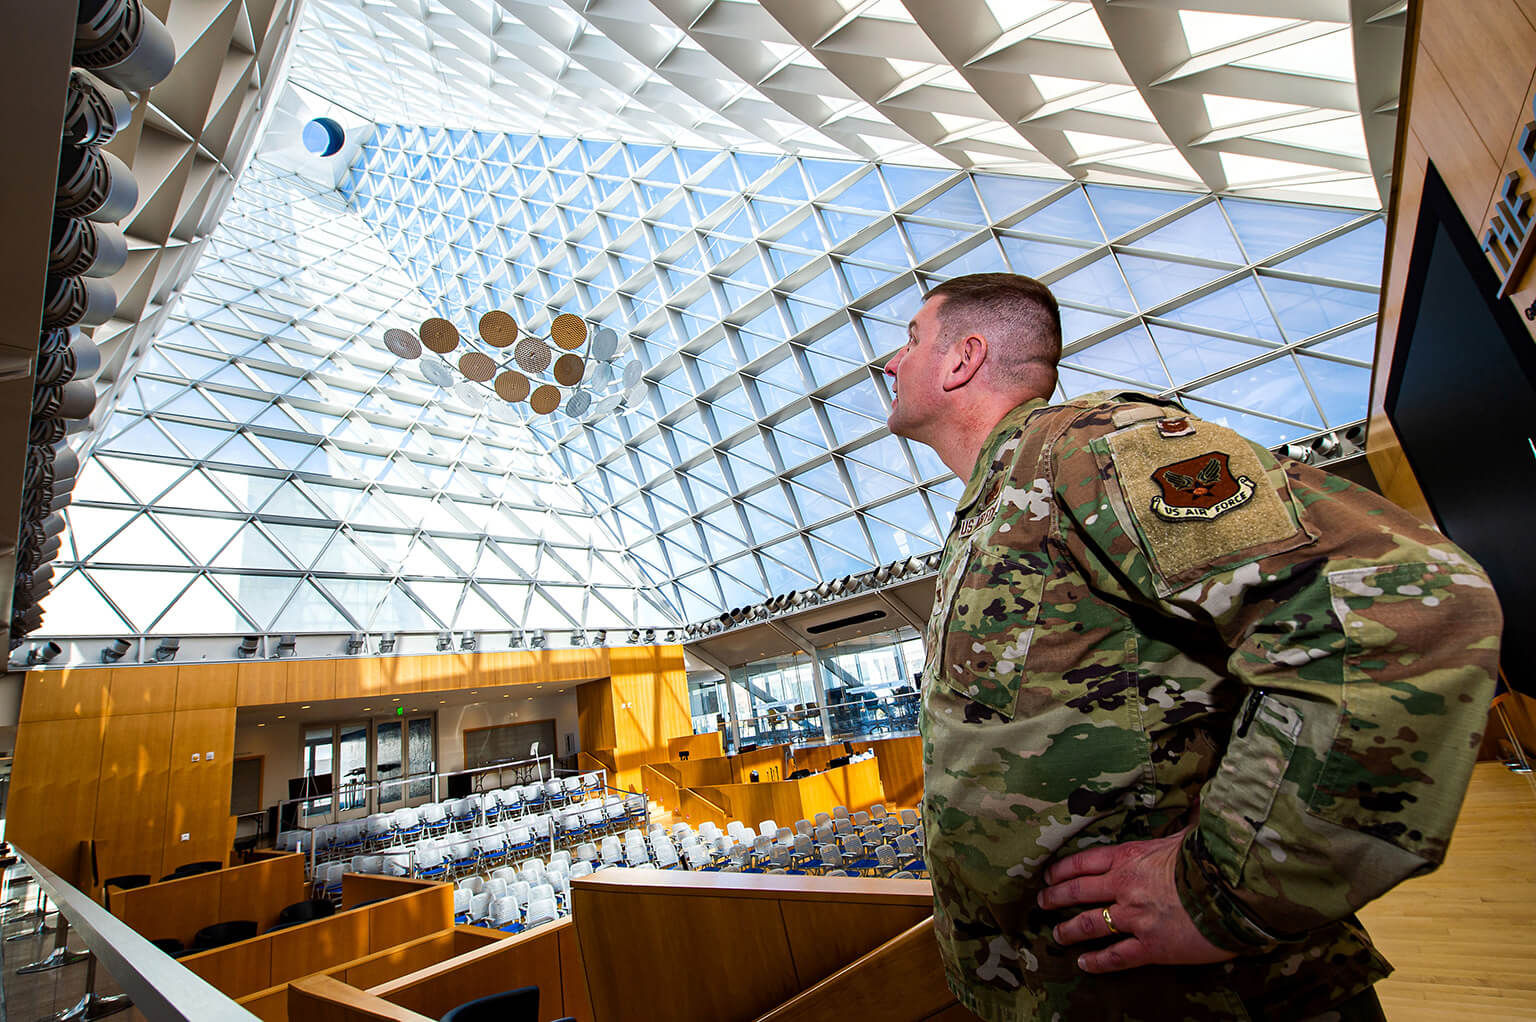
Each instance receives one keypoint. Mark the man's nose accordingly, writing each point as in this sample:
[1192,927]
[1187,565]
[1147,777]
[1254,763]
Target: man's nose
[890,367]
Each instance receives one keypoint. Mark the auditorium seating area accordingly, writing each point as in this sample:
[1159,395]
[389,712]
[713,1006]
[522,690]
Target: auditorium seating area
[512,853]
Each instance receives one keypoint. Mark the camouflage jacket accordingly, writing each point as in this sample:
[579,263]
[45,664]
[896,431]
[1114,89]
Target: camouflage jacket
[1142,620]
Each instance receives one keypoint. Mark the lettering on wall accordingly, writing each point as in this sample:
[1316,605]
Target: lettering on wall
[1510,239]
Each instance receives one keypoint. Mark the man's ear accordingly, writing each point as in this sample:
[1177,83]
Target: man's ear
[965,359]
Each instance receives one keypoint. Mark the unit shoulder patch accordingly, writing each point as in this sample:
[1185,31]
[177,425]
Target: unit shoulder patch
[1203,500]
[1200,487]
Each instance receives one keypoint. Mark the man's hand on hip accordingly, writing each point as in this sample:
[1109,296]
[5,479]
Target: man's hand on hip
[1131,889]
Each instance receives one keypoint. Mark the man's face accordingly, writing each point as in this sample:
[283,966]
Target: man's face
[915,376]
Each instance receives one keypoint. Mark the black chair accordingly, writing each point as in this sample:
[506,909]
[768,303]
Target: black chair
[220,934]
[520,1005]
[194,868]
[304,911]
[126,882]
[170,945]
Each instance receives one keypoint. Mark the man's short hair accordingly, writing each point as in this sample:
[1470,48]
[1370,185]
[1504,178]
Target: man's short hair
[1018,313]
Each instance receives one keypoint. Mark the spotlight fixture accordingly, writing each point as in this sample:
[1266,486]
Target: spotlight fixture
[123,43]
[387,642]
[43,654]
[634,635]
[247,647]
[444,641]
[650,636]
[600,638]
[287,645]
[671,636]
[536,639]
[115,652]
[468,642]
[578,638]
[515,640]
[167,649]
[356,642]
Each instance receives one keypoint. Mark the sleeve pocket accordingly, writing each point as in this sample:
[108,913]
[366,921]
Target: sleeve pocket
[990,624]
[1248,780]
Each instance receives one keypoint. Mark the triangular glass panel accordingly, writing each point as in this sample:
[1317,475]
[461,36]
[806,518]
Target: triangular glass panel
[1190,356]
[142,595]
[907,183]
[476,612]
[834,559]
[1099,283]
[1005,196]
[1154,281]
[1342,390]
[1356,256]
[1068,217]
[202,536]
[195,491]
[1266,228]
[1037,258]
[1304,309]
[1129,355]
[202,610]
[145,479]
[1274,388]
[142,542]
[1238,308]
[74,607]
[310,611]
[1121,210]
[542,613]
[251,549]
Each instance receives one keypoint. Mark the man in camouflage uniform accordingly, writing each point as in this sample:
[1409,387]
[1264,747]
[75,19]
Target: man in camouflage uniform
[1185,708]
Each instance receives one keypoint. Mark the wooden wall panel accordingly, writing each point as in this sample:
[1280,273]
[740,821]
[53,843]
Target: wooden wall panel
[400,960]
[594,716]
[64,695]
[310,681]
[1468,39]
[729,930]
[526,959]
[236,969]
[52,803]
[901,771]
[823,942]
[325,999]
[269,1005]
[650,706]
[130,801]
[143,689]
[197,797]
[573,978]
[261,890]
[709,745]
[403,919]
[174,908]
[261,681]
[206,686]
[314,946]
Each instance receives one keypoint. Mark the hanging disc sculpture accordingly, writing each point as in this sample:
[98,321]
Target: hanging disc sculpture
[521,368]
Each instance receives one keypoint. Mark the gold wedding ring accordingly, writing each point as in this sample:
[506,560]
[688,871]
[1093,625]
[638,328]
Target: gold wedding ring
[1108,921]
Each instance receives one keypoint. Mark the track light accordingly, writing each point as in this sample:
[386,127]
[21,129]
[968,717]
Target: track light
[115,652]
[387,642]
[356,642]
[515,640]
[43,654]
[536,639]
[167,649]
[287,645]
[123,43]
[634,635]
[468,641]
[600,638]
[671,636]
[247,647]
[650,636]
[444,641]
[578,638]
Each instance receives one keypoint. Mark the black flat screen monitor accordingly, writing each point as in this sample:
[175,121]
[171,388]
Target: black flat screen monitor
[1461,395]
[307,787]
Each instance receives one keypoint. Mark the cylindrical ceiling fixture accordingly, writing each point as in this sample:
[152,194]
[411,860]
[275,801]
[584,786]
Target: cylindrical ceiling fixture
[94,112]
[80,248]
[27,622]
[94,184]
[74,400]
[64,355]
[123,43]
[66,465]
[77,301]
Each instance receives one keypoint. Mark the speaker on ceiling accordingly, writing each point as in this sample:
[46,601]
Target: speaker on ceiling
[94,184]
[80,248]
[77,301]
[64,355]
[94,112]
[73,400]
[123,43]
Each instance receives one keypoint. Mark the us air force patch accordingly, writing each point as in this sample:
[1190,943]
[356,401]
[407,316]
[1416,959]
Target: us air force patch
[1200,487]
[1202,499]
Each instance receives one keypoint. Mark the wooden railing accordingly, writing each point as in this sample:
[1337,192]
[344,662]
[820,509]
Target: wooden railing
[179,908]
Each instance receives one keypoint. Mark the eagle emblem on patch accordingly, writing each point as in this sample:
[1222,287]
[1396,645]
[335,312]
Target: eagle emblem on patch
[1200,488]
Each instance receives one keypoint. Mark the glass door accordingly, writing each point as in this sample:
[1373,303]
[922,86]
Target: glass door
[352,769]
[421,762]
[389,764]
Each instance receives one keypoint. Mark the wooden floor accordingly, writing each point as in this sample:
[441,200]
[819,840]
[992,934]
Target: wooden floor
[1464,938]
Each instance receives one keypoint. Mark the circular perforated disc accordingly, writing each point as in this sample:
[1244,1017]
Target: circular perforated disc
[438,373]
[598,374]
[577,406]
[402,343]
[568,331]
[632,373]
[607,404]
[439,335]
[498,329]
[545,399]
[605,344]
[568,370]
[512,386]
[532,355]
[476,366]
[469,394]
